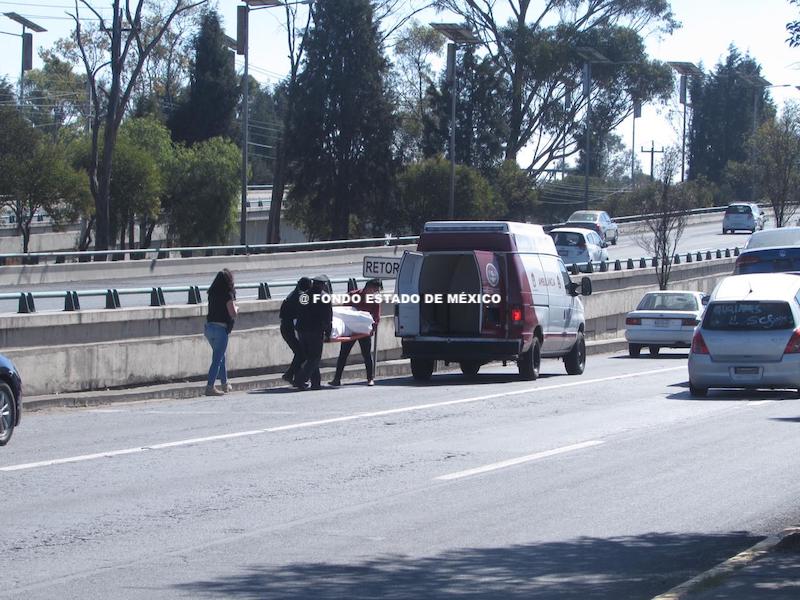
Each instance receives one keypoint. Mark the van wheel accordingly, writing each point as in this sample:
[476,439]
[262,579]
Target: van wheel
[530,361]
[634,350]
[575,361]
[654,350]
[421,368]
[697,392]
[470,368]
[8,413]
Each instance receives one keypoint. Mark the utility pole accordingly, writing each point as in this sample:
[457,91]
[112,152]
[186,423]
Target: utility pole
[652,152]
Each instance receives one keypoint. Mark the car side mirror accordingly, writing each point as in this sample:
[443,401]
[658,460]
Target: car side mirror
[586,286]
[604,244]
[705,299]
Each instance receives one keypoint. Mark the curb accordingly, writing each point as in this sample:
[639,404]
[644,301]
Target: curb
[193,389]
[716,575]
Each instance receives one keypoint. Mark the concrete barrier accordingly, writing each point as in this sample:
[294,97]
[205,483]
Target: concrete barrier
[98,349]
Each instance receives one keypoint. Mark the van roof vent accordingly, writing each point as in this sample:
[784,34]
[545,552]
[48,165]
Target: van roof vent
[466,226]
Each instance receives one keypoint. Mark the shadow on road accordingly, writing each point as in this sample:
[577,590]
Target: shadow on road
[586,568]
[733,395]
[647,356]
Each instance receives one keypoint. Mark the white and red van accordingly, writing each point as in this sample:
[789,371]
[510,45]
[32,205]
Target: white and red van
[475,292]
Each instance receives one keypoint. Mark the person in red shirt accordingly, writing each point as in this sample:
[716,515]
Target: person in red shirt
[372,287]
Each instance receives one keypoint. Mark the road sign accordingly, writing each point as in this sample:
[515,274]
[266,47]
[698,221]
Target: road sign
[381,267]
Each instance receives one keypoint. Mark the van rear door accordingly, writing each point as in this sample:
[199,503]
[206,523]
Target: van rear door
[491,267]
[407,283]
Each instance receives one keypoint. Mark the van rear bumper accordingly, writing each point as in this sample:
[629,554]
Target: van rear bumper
[462,349]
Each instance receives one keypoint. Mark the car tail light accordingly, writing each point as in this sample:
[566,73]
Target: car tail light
[699,344]
[633,321]
[516,314]
[745,260]
[793,347]
[690,322]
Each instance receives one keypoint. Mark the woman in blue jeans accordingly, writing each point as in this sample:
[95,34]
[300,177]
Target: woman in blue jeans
[222,311]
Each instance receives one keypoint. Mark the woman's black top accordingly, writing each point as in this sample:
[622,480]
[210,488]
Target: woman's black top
[218,306]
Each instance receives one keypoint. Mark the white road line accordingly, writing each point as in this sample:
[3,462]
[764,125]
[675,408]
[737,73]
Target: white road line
[518,461]
[760,402]
[331,421]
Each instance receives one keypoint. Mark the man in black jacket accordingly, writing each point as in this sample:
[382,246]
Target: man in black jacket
[290,310]
[314,321]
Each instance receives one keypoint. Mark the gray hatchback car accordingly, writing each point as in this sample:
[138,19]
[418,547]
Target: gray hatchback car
[749,336]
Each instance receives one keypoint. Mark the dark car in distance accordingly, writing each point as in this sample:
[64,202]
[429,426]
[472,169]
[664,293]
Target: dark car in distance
[10,399]
[770,251]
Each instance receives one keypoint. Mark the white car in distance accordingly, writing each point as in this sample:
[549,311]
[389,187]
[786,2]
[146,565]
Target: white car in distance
[664,319]
[576,245]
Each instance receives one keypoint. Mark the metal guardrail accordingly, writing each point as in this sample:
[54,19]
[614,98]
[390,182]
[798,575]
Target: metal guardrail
[113,296]
[27,300]
[33,258]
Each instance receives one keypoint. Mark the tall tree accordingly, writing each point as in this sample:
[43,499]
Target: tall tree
[55,95]
[534,52]
[340,141]
[209,106]
[297,29]
[722,116]
[112,75]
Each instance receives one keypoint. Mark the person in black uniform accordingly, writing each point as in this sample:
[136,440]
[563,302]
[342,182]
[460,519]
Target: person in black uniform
[222,311]
[290,308]
[314,321]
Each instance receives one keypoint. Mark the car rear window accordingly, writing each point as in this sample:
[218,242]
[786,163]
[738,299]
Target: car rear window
[738,209]
[564,238]
[748,316]
[583,216]
[668,302]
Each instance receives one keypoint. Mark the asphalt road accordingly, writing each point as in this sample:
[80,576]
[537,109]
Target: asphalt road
[707,235]
[614,484]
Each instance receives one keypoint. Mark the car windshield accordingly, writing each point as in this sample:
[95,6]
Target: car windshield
[738,209]
[668,302]
[748,316]
[569,238]
[583,216]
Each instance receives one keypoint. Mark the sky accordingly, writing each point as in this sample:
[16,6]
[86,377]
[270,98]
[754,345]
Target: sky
[708,28]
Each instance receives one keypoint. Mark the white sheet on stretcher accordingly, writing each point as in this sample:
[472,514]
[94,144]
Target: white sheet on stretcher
[348,321]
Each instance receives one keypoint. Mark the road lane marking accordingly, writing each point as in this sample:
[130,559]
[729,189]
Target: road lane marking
[760,402]
[504,464]
[330,421]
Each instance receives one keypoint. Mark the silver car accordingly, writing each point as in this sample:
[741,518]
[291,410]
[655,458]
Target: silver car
[743,215]
[749,336]
[576,245]
[664,319]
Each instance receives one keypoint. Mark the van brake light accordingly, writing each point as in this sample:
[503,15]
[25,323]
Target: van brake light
[516,314]
[793,346]
[699,344]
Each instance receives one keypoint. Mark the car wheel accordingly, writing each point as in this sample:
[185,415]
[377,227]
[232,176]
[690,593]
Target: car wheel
[8,413]
[422,368]
[530,361]
[654,350]
[697,392]
[634,350]
[470,368]
[575,361]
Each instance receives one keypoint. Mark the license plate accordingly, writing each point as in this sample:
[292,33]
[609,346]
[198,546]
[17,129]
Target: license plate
[661,323]
[746,370]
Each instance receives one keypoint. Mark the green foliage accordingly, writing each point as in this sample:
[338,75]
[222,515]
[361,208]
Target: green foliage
[7,96]
[208,107]
[514,188]
[35,176]
[424,192]
[722,116]
[55,96]
[203,189]
[339,143]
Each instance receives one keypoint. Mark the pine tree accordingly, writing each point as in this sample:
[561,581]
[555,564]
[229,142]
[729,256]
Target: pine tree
[341,167]
[209,105]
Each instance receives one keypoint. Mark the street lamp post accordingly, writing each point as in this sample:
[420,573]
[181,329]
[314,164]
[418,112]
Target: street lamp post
[458,34]
[685,69]
[27,48]
[637,112]
[590,56]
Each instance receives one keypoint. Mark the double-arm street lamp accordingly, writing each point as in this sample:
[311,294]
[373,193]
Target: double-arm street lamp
[27,47]
[590,56]
[458,34]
